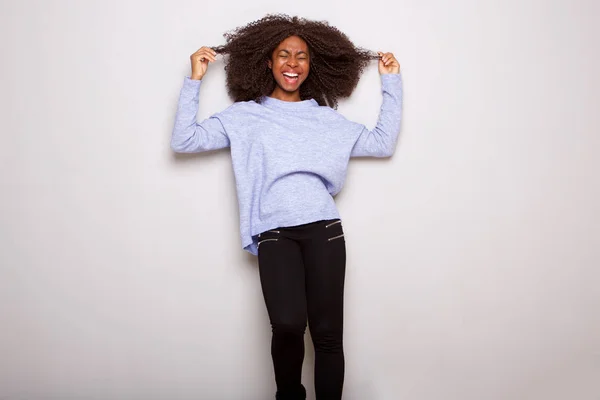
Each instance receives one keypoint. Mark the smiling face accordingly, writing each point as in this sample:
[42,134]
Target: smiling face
[290,64]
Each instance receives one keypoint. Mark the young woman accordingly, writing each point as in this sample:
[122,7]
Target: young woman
[290,150]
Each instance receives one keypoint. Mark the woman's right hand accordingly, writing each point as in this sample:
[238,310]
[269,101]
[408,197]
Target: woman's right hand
[200,60]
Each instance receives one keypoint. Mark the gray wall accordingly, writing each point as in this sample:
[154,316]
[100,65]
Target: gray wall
[473,252]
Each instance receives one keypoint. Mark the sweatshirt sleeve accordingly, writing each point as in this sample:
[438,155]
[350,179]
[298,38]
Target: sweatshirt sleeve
[381,141]
[188,135]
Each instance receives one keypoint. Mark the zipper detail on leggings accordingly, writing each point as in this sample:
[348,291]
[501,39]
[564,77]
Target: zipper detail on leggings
[335,237]
[266,240]
[268,231]
[333,223]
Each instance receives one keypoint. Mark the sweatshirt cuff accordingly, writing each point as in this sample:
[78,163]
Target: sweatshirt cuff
[391,77]
[191,82]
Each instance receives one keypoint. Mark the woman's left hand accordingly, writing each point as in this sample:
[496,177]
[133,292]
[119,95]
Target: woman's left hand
[388,63]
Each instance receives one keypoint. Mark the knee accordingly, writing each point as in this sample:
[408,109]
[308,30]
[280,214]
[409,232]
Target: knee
[327,341]
[288,329]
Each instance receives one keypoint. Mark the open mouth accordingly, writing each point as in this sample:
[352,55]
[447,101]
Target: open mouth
[290,77]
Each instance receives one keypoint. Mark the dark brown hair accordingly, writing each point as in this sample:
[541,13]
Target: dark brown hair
[335,62]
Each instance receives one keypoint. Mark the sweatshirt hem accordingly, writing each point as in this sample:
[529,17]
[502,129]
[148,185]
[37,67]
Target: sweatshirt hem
[251,243]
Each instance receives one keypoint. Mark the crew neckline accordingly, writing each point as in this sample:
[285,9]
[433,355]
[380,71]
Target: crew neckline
[288,105]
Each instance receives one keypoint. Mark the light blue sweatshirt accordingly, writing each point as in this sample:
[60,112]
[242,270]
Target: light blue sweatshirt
[289,158]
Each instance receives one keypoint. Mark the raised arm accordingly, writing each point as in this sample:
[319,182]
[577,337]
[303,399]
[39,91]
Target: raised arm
[381,141]
[188,135]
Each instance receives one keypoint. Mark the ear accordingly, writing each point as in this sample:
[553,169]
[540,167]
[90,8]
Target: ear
[269,64]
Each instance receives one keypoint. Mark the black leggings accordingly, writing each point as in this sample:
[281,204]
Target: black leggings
[302,270]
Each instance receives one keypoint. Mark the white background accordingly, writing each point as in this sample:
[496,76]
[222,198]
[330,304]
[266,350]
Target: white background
[473,253]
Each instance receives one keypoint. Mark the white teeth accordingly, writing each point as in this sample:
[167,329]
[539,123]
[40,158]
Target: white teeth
[290,75]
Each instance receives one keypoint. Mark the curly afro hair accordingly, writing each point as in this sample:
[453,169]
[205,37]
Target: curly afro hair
[335,63]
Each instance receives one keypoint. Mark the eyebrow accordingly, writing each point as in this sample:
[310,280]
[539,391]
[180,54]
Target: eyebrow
[287,51]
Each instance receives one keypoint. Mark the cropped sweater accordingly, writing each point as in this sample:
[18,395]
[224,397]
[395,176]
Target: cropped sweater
[289,158]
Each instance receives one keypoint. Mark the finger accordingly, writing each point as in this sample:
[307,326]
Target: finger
[208,50]
[203,56]
[205,50]
[211,53]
